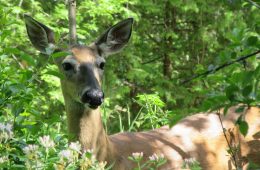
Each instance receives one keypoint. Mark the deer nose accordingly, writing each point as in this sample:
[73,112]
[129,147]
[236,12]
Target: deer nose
[93,97]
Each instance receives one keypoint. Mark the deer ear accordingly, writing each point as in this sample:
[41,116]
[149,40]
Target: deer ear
[115,38]
[40,35]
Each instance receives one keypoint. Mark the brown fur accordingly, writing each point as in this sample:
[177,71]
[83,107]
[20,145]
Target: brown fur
[199,136]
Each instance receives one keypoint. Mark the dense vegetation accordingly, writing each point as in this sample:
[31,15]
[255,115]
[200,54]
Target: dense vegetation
[144,85]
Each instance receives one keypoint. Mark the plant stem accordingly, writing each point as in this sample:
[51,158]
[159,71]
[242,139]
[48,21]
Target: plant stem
[139,167]
[229,145]
[46,156]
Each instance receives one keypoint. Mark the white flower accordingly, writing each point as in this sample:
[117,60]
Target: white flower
[91,151]
[156,157]
[46,141]
[30,149]
[67,154]
[2,126]
[75,146]
[10,135]
[89,154]
[190,161]
[6,131]
[102,165]
[8,127]
[3,159]
[137,155]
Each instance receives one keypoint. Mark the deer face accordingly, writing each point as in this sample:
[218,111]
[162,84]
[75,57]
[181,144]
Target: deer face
[83,67]
[82,71]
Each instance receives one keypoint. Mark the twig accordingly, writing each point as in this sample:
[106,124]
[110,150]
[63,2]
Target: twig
[152,60]
[153,39]
[72,22]
[19,63]
[220,67]
[229,145]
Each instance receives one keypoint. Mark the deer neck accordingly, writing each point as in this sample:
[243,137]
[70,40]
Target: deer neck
[86,126]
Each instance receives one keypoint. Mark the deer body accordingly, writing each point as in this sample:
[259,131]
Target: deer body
[199,136]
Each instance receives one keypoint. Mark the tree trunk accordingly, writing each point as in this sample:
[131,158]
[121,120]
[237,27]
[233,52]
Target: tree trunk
[72,22]
[169,25]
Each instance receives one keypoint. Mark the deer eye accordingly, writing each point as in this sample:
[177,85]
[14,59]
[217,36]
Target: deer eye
[102,65]
[67,66]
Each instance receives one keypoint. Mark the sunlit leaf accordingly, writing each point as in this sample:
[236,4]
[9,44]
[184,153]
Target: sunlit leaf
[55,73]
[60,54]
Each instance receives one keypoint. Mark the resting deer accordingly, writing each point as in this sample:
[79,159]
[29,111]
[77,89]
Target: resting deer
[199,136]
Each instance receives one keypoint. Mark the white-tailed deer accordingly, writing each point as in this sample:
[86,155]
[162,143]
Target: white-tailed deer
[199,136]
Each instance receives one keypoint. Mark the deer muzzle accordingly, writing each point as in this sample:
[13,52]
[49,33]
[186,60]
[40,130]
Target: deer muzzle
[93,97]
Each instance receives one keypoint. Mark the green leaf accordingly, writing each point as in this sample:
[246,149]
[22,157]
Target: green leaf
[233,55]
[231,92]
[28,59]
[55,73]
[247,90]
[243,127]
[252,41]
[29,123]
[18,166]
[4,34]
[25,114]
[237,34]
[240,109]
[257,72]
[11,51]
[248,77]
[226,109]
[60,54]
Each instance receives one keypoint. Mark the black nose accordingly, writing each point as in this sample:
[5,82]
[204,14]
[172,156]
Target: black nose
[93,97]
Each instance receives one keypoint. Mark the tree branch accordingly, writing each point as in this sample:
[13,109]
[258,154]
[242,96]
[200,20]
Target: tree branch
[219,67]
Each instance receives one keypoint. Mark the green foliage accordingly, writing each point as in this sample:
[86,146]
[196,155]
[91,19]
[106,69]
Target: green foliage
[240,87]
[172,40]
[151,114]
[243,126]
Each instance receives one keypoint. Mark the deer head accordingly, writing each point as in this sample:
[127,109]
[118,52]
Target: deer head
[83,67]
